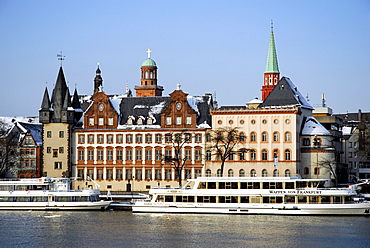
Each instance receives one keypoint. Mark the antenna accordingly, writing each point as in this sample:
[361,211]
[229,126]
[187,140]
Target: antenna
[323,100]
[61,57]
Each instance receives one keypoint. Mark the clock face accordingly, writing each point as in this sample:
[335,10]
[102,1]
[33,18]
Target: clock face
[101,107]
[178,105]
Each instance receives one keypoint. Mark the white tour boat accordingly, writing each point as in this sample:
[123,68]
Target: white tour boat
[48,194]
[254,195]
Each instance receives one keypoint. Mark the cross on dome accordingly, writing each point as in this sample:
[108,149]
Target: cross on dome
[149,51]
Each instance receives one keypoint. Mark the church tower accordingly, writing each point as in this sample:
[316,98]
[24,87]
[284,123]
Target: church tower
[272,74]
[148,87]
[98,80]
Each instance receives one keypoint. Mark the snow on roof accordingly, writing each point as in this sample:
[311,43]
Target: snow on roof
[313,127]
[298,95]
[193,102]
[7,122]
[347,130]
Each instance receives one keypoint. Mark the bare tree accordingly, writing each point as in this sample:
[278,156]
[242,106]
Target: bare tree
[9,152]
[224,142]
[179,158]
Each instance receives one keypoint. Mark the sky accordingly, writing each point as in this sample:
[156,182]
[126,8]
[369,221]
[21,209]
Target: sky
[217,47]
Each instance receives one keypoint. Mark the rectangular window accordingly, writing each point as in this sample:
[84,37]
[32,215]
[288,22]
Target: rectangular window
[148,155]
[129,154]
[188,154]
[178,120]
[110,121]
[198,155]
[48,134]
[118,173]
[109,154]
[100,138]
[110,138]
[55,153]
[61,134]
[81,155]
[138,154]
[100,174]
[109,174]
[80,173]
[168,138]
[100,154]
[58,165]
[148,138]
[188,120]
[101,121]
[139,138]
[198,138]
[168,120]
[119,138]
[90,155]
[48,149]
[81,139]
[61,149]
[148,174]
[158,138]
[90,173]
[158,174]
[90,138]
[167,174]
[119,154]
[129,138]
[129,174]
[138,174]
[158,155]
[91,122]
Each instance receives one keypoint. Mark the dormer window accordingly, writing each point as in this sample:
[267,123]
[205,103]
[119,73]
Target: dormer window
[149,121]
[130,121]
[140,121]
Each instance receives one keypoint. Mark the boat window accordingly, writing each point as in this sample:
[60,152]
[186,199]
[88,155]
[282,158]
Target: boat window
[244,199]
[289,199]
[6,187]
[337,199]
[168,198]
[221,185]
[211,185]
[63,198]
[228,199]
[289,185]
[21,187]
[202,185]
[160,198]
[255,199]
[256,185]
[302,199]
[313,199]
[325,199]
[348,199]
[243,185]
[265,185]
[206,199]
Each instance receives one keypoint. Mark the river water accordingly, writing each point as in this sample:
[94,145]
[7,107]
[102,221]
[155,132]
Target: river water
[125,229]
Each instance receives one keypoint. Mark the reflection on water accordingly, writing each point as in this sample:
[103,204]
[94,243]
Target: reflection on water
[124,229]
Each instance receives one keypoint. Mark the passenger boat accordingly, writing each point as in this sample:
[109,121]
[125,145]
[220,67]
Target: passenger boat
[255,195]
[48,194]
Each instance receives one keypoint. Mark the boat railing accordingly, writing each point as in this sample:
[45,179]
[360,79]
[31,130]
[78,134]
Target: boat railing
[321,188]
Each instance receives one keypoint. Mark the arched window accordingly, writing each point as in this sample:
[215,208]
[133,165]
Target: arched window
[241,173]
[264,137]
[208,173]
[242,137]
[276,153]
[316,171]
[287,173]
[287,154]
[149,121]
[264,154]
[219,173]
[140,121]
[306,170]
[276,137]
[276,173]
[264,173]
[208,155]
[253,172]
[253,137]
[287,137]
[253,155]
[130,121]
[230,173]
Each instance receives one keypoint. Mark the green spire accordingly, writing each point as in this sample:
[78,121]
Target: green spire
[272,62]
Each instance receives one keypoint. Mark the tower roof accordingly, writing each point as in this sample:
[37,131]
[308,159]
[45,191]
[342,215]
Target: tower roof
[149,62]
[45,105]
[272,62]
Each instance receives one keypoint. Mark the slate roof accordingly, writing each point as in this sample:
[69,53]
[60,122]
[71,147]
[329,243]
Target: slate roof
[35,130]
[285,94]
[312,127]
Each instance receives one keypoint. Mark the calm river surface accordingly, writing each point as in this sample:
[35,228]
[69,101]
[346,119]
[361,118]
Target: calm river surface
[125,229]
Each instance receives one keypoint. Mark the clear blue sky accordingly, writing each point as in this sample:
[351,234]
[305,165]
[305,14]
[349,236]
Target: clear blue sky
[206,46]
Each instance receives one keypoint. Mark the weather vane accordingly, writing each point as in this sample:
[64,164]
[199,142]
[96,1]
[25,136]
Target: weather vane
[61,57]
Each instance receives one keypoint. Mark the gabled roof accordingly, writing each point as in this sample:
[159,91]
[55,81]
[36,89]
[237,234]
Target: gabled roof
[285,94]
[35,130]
